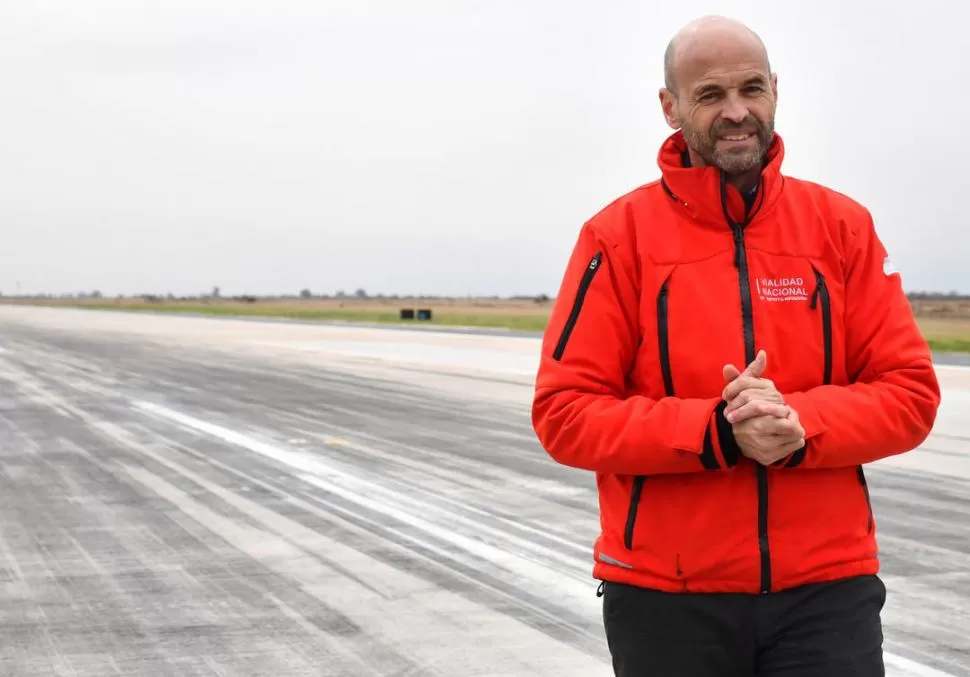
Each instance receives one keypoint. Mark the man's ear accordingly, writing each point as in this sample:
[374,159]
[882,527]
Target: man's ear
[668,104]
[774,85]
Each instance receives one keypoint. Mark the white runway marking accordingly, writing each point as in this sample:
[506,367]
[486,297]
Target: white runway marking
[362,491]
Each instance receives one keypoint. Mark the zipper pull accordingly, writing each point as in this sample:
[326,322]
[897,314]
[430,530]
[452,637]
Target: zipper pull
[738,244]
[819,285]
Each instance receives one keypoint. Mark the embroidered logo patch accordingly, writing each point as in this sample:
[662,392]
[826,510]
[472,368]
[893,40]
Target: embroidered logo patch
[781,289]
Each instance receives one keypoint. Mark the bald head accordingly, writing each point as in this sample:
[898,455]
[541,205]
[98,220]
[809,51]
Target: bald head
[708,40]
[720,92]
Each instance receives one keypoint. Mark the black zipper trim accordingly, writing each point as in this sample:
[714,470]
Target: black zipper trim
[631,515]
[747,312]
[750,351]
[663,343]
[821,294]
[587,279]
[663,338]
[865,488]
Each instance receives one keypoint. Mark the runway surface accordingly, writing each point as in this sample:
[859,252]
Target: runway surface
[183,496]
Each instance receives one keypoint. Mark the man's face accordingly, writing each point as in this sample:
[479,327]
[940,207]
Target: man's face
[725,106]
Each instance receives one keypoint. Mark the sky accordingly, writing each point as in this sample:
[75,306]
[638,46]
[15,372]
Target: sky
[430,146]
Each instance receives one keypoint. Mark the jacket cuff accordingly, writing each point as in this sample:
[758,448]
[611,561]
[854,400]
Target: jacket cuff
[720,450]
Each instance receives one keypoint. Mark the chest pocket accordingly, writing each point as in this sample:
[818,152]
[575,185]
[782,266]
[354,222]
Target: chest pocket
[798,306]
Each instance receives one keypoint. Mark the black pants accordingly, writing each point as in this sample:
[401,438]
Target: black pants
[820,630]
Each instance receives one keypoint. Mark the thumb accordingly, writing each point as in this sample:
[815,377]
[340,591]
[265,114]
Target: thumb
[757,367]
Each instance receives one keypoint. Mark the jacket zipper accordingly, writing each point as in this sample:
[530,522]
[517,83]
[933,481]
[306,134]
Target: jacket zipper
[822,293]
[865,488]
[664,347]
[631,516]
[567,330]
[663,340]
[747,314]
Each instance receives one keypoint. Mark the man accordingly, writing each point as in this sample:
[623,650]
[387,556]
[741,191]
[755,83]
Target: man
[729,347]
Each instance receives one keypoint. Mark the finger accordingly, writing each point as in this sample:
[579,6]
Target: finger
[730,372]
[751,394]
[735,387]
[757,407]
[795,422]
[746,406]
[756,368]
[744,382]
[742,398]
[773,425]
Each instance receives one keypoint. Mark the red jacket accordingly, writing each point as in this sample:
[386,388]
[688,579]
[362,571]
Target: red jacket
[664,287]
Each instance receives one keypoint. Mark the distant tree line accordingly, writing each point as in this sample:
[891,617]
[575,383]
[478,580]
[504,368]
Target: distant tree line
[363,295]
[937,296]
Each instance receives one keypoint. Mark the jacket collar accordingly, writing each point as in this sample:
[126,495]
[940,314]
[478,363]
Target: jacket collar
[702,192]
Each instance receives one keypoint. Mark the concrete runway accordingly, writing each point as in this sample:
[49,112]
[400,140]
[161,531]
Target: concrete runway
[183,496]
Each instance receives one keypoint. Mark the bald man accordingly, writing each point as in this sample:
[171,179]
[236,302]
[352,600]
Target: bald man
[728,349]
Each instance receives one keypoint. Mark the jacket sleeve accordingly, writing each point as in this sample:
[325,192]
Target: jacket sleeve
[581,412]
[891,403]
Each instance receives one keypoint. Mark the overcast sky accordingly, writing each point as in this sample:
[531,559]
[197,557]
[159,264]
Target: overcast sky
[422,146]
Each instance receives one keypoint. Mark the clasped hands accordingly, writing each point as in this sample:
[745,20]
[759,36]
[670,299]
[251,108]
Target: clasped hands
[765,428]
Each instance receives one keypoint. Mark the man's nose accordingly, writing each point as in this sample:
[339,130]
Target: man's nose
[735,111]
